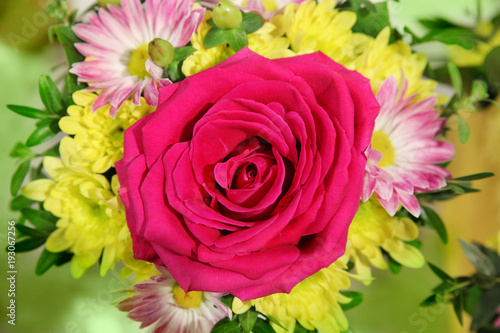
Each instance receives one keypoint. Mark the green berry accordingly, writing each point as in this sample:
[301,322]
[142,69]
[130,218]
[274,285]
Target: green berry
[161,52]
[226,15]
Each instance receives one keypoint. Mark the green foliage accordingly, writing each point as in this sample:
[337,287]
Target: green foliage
[478,294]
[247,322]
[174,70]
[356,299]
[236,37]
[48,259]
[432,220]
[454,188]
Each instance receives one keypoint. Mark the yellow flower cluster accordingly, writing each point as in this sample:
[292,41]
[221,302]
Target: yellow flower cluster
[264,41]
[373,230]
[98,138]
[92,223]
[311,27]
[314,302]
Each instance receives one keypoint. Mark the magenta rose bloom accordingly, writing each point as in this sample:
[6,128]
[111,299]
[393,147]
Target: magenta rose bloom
[247,176]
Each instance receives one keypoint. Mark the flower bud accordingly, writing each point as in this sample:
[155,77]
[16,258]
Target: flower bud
[161,52]
[226,15]
[104,3]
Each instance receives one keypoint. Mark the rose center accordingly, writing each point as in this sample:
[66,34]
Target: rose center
[137,62]
[187,300]
[245,175]
[382,143]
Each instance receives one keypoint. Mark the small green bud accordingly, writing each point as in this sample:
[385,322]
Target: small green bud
[104,3]
[161,52]
[226,15]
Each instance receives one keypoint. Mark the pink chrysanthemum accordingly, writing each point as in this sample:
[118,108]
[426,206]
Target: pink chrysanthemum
[266,8]
[162,303]
[404,152]
[117,48]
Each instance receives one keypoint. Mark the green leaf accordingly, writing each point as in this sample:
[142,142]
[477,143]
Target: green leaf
[251,22]
[300,329]
[458,306]
[225,325]
[28,112]
[356,299]
[48,259]
[45,131]
[475,176]
[432,220]
[248,320]
[214,37]
[372,22]
[67,39]
[41,219]
[492,67]
[21,151]
[394,266]
[27,231]
[429,301]
[237,38]
[456,78]
[415,243]
[479,91]
[182,53]
[472,296]
[30,244]
[453,36]
[262,326]
[463,130]
[441,274]
[487,307]
[275,322]
[478,259]
[20,202]
[18,177]
[227,300]
[70,87]
[50,95]
[437,23]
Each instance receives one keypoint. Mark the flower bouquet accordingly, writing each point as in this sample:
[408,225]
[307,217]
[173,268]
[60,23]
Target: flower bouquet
[241,162]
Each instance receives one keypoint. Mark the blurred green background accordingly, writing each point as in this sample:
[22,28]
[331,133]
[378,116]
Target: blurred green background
[56,303]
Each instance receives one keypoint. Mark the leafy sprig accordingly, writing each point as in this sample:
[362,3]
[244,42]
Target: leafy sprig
[478,294]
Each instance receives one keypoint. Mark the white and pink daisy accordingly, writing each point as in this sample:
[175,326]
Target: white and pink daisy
[266,8]
[162,303]
[404,150]
[116,48]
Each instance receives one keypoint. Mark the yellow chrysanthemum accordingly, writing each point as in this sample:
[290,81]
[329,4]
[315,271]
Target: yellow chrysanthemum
[465,58]
[372,230]
[314,27]
[381,59]
[314,302]
[98,138]
[90,223]
[264,41]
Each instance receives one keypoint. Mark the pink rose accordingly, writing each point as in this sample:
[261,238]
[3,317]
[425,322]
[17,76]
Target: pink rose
[246,178]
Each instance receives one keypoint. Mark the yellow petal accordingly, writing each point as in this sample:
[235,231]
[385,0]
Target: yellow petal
[53,166]
[57,241]
[38,190]
[240,307]
[70,125]
[84,98]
